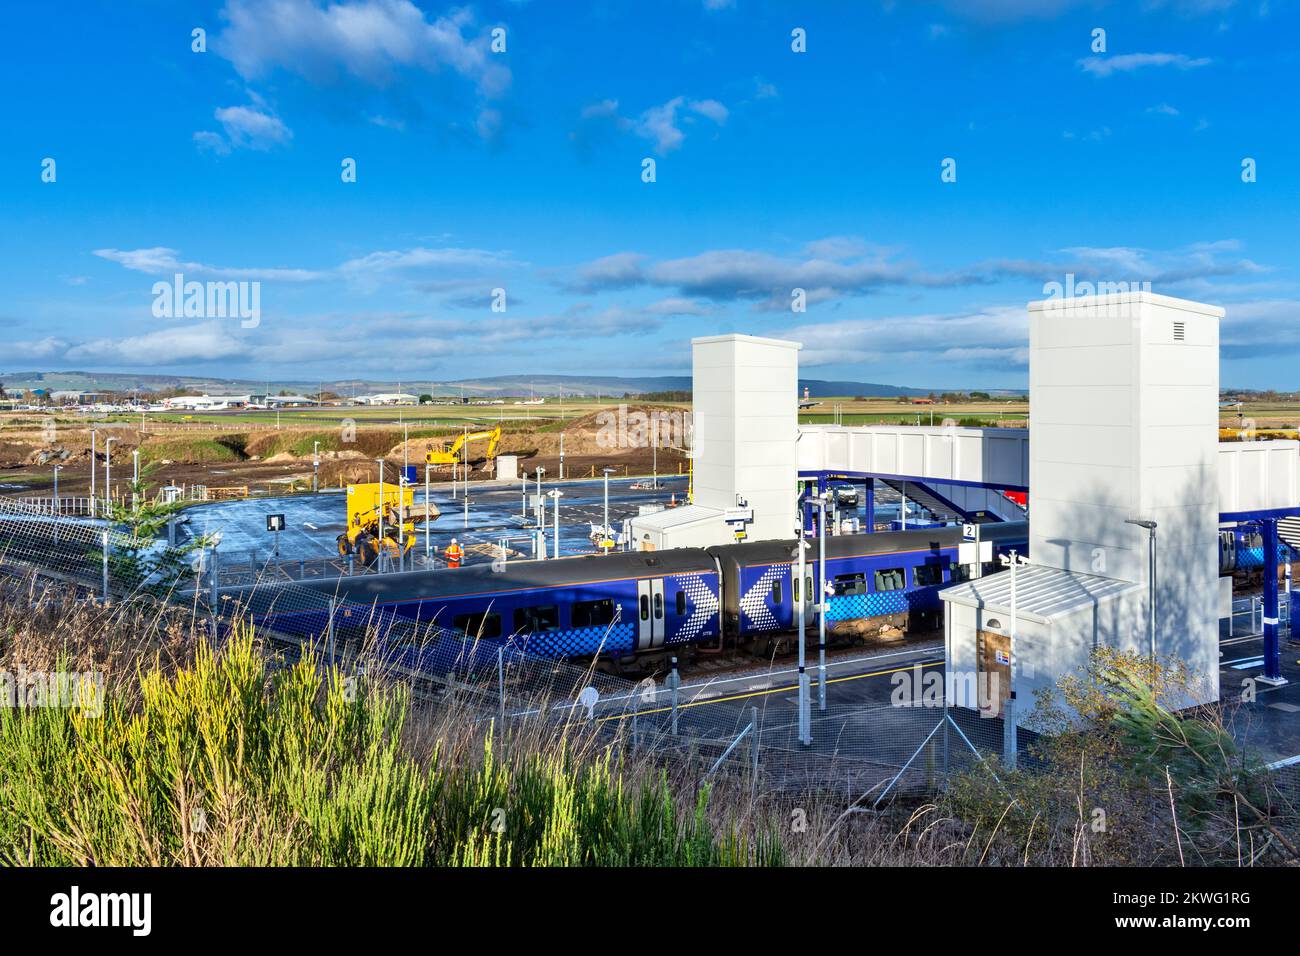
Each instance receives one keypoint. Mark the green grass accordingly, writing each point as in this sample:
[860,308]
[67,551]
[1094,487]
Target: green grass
[192,450]
[224,762]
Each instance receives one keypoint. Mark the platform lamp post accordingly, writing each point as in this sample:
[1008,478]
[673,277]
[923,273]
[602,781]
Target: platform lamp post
[379,558]
[606,471]
[805,717]
[93,433]
[822,604]
[541,511]
[135,479]
[57,509]
[556,494]
[108,466]
[1011,560]
[1151,589]
[427,529]
[315,466]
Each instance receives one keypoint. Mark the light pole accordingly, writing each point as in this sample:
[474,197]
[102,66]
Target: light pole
[379,558]
[427,556]
[93,433]
[1151,591]
[805,717]
[605,533]
[1011,560]
[822,603]
[108,465]
[541,510]
[557,494]
[58,508]
[135,478]
[315,466]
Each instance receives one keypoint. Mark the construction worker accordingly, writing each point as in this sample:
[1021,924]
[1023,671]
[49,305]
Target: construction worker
[454,554]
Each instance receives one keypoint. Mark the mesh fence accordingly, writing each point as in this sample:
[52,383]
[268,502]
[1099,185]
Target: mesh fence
[862,748]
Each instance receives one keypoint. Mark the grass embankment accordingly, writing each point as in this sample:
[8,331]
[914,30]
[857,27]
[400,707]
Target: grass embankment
[193,450]
[202,758]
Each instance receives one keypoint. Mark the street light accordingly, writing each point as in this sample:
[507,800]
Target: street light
[805,717]
[315,466]
[379,558]
[135,478]
[1011,560]
[427,556]
[607,471]
[557,494]
[1151,596]
[108,465]
[541,512]
[822,605]
[93,433]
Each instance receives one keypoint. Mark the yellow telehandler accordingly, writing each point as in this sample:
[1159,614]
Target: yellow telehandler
[372,507]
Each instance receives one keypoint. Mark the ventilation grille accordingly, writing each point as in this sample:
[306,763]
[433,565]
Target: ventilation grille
[1180,331]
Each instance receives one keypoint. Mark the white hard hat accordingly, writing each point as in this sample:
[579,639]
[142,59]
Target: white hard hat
[453,540]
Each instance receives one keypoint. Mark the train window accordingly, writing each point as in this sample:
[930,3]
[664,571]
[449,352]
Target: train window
[645,607]
[925,575]
[535,619]
[850,584]
[962,572]
[681,603]
[592,613]
[891,579]
[659,605]
[776,591]
[481,624]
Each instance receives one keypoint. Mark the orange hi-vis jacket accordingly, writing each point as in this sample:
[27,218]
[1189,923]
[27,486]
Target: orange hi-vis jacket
[454,553]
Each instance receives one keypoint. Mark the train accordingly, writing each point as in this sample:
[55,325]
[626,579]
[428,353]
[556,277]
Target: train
[632,609]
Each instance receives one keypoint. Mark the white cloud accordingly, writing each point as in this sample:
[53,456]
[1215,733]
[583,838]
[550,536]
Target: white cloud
[370,40]
[1128,62]
[160,260]
[205,342]
[660,123]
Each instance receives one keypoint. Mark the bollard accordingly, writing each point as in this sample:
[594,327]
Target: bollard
[501,684]
[329,631]
[104,546]
[674,681]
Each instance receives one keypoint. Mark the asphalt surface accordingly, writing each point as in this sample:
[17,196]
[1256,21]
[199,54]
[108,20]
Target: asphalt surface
[496,513]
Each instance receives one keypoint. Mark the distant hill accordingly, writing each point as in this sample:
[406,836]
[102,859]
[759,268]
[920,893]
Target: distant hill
[492,386]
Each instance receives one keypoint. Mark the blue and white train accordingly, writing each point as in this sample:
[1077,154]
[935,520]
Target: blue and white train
[629,608]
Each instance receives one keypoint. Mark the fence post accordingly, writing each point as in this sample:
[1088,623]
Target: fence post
[104,547]
[501,684]
[214,581]
[329,631]
[753,750]
[674,681]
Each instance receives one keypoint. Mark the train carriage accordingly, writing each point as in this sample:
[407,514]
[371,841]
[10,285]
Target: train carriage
[616,606]
[874,580]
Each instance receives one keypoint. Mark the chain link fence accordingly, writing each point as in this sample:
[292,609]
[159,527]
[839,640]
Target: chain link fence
[865,750]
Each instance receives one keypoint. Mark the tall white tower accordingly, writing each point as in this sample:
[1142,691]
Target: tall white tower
[1124,425]
[746,423]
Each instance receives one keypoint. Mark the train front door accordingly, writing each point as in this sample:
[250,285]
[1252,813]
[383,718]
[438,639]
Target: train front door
[650,613]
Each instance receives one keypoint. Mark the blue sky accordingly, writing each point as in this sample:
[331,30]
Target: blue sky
[522,170]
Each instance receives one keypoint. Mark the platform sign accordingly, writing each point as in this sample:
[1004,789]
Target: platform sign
[410,474]
[734,515]
[970,532]
[975,552]
[275,523]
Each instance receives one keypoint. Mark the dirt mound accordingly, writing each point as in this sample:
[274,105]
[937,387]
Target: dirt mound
[611,432]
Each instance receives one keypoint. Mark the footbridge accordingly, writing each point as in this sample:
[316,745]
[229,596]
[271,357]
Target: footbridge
[965,474]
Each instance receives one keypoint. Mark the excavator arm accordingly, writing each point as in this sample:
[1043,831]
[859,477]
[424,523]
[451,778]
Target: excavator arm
[451,455]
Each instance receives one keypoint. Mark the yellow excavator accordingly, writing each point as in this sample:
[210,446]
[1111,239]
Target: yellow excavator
[390,509]
[451,455]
